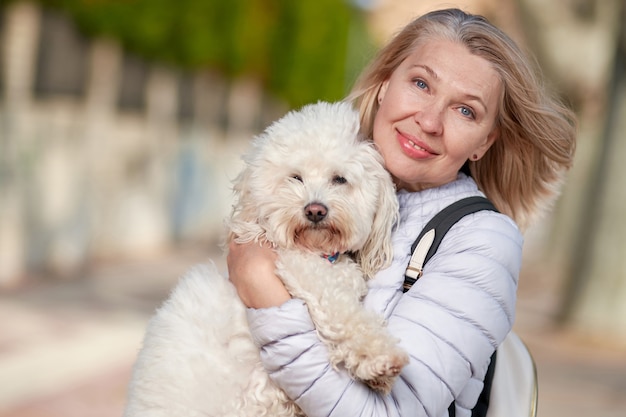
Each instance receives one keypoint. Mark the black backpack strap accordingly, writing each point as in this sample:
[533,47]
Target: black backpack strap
[434,231]
[482,405]
[425,247]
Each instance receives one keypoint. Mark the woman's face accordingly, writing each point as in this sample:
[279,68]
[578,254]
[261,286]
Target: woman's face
[437,110]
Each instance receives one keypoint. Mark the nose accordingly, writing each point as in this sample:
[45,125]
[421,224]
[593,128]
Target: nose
[430,119]
[315,212]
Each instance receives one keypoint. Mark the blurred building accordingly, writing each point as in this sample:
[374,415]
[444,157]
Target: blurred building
[103,155]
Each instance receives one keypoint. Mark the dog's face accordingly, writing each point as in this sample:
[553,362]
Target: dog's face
[309,182]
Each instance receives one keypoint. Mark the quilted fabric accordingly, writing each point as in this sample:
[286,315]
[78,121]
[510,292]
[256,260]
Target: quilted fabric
[450,322]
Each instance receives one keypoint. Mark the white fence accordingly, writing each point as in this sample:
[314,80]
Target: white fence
[103,155]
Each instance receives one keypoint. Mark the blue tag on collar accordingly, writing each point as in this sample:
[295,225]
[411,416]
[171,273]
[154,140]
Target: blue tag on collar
[332,258]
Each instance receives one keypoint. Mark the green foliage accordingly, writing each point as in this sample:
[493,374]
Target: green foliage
[297,48]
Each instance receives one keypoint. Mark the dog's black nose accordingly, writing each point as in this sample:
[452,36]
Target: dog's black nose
[315,212]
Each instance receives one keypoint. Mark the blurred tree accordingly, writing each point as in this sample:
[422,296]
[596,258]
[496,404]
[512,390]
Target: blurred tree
[582,46]
[297,49]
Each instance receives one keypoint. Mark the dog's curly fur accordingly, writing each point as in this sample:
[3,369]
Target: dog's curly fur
[310,187]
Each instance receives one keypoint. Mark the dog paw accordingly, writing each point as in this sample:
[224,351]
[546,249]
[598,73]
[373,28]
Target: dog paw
[381,384]
[381,373]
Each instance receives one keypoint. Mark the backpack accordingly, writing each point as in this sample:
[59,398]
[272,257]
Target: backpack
[510,389]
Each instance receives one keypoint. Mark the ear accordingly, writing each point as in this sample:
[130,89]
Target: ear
[377,252]
[382,91]
[243,222]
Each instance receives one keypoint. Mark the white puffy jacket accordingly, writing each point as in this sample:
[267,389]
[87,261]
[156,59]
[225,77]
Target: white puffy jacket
[450,322]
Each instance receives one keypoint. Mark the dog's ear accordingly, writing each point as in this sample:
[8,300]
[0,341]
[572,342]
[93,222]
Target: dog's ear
[377,252]
[243,222]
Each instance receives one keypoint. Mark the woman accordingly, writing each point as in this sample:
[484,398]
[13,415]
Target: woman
[456,111]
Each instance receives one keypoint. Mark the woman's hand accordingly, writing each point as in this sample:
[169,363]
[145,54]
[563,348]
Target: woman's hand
[251,270]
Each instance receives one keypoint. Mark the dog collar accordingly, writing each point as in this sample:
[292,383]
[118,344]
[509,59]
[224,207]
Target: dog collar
[332,258]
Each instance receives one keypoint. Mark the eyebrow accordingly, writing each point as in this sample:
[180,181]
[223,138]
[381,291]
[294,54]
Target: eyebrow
[428,69]
[470,97]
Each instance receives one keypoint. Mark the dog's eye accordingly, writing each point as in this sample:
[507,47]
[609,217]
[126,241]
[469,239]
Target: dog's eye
[337,179]
[297,177]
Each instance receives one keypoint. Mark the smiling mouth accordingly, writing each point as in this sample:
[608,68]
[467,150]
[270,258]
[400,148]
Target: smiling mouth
[412,143]
[419,148]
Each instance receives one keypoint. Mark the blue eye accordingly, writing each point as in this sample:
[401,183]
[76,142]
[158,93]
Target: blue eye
[467,112]
[421,84]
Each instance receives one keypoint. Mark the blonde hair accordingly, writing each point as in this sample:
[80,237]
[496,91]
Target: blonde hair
[522,171]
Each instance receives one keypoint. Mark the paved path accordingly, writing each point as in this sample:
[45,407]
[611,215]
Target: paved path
[66,349]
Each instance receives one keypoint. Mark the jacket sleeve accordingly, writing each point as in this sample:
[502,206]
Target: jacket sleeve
[450,323]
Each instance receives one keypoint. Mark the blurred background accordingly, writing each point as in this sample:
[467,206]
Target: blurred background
[121,126]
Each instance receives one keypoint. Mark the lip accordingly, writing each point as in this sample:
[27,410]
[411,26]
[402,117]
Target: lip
[414,148]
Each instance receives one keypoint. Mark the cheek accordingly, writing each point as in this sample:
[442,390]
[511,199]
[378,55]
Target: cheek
[463,141]
[460,151]
[457,156]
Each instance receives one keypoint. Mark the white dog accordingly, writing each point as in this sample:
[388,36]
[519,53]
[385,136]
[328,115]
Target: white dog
[315,191]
